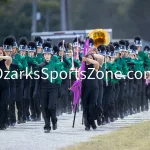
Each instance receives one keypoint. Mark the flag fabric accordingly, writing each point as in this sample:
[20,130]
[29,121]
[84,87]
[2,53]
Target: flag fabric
[77,85]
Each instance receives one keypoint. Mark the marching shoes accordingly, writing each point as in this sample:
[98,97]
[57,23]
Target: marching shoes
[47,129]
[99,121]
[54,126]
[87,128]
[3,127]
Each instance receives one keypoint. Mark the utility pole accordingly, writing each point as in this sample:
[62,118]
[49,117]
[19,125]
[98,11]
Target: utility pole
[63,15]
[69,15]
[34,12]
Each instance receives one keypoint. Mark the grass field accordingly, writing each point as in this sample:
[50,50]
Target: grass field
[134,137]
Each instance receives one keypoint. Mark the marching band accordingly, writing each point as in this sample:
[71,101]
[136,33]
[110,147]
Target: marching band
[103,100]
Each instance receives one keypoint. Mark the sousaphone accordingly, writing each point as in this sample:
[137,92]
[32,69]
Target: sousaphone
[100,36]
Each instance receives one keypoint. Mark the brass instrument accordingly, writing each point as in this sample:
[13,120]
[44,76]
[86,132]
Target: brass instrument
[70,49]
[99,36]
[77,50]
[63,49]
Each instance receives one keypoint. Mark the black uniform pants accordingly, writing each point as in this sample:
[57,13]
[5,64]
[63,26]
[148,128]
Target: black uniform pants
[147,96]
[139,88]
[121,97]
[34,104]
[4,95]
[19,98]
[59,104]
[70,97]
[49,97]
[143,94]
[64,96]
[117,91]
[11,102]
[89,100]
[26,97]
[131,96]
[100,97]
[126,95]
[109,101]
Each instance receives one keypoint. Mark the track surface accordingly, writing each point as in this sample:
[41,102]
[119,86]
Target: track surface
[30,136]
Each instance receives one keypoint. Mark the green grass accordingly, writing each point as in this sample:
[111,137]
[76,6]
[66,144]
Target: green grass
[134,137]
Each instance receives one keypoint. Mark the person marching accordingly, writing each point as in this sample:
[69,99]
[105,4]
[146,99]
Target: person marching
[13,67]
[23,51]
[121,63]
[101,50]
[147,68]
[141,81]
[126,98]
[5,62]
[35,57]
[132,80]
[65,75]
[75,67]
[77,55]
[113,81]
[17,66]
[90,90]
[117,85]
[48,88]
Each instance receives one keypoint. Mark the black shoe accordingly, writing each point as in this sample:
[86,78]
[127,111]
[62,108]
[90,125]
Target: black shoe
[54,126]
[64,110]
[146,108]
[47,129]
[112,119]
[103,120]
[33,118]
[2,128]
[12,124]
[94,127]
[87,128]
[28,118]
[20,121]
[99,121]
[142,108]
[38,119]
[107,120]
[121,116]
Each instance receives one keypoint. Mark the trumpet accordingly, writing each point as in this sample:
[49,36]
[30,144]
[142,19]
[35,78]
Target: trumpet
[72,59]
[77,49]
[63,48]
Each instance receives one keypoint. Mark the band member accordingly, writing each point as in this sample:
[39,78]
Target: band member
[75,67]
[17,67]
[140,82]
[23,52]
[13,67]
[78,53]
[121,63]
[101,52]
[33,60]
[48,88]
[5,62]
[106,86]
[90,92]
[65,76]
[117,85]
[132,81]
[147,68]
